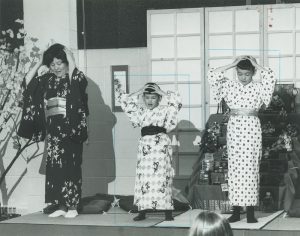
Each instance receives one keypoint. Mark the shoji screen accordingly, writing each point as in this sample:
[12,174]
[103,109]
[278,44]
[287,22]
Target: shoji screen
[230,32]
[176,48]
[282,41]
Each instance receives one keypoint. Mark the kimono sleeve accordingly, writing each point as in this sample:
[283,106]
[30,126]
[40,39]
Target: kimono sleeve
[219,84]
[82,86]
[33,122]
[268,81]
[130,106]
[173,105]
[77,109]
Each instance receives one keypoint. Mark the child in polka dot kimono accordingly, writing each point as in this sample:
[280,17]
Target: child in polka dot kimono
[154,171]
[244,138]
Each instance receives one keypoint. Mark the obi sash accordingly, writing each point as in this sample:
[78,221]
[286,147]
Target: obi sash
[56,106]
[152,130]
[243,112]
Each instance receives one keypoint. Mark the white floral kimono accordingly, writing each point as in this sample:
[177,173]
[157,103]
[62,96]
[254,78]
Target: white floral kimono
[244,138]
[154,171]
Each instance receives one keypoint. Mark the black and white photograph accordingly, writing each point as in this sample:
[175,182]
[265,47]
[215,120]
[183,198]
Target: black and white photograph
[148,117]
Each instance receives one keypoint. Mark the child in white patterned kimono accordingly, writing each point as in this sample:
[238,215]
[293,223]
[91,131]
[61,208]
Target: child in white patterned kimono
[244,97]
[154,171]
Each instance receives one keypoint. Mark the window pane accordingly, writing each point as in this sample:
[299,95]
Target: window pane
[188,23]
[281,43]
[189,46]
[247,20]
[220,22]
[163,71]
[190,118]
[190,94]
[220,45]
[159,28]
[189,70]
[280,19]
[283,67]
[247,44]
[163,47]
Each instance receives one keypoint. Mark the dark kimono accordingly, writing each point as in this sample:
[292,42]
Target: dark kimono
[64,134]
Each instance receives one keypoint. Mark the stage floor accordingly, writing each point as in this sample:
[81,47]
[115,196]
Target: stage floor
[119,222]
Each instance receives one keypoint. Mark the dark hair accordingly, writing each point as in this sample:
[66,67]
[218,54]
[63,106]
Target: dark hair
[209,223]
[55,51]
[245,65]
[150,90]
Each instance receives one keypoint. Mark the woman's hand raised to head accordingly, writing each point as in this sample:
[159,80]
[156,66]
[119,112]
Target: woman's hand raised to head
[238,59]
[71,60]
[255,64]
[229,66]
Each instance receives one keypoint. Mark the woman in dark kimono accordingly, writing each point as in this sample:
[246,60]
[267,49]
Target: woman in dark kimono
[55,107]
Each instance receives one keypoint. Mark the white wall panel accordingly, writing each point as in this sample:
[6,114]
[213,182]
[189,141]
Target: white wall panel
[190,93]
[188,23]
[247,20]
[220,45]
[189,70]
[298,43]
[298,68]
[282,43]
[163,71]
[162,24]
[220,22]
[297,18]
[280,18]
[162,47]
[283,67]
[248,44]
[189,46]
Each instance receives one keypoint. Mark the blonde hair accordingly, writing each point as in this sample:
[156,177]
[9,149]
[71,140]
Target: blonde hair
[209,223]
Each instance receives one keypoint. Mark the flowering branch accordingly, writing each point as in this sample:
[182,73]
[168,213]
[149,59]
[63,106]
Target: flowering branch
[15,61]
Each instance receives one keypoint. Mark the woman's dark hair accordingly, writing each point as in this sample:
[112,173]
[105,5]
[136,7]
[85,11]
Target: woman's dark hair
[55,51]
[209,223]
[245,65]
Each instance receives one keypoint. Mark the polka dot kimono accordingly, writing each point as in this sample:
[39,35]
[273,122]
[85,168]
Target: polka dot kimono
[244,138]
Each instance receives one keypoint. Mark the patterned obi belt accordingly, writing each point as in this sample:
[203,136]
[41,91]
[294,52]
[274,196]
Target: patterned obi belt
[55,106]
[152,130]
[243,112]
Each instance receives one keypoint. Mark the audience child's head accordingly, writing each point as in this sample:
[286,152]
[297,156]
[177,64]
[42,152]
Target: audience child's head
[151,96]
[209,223]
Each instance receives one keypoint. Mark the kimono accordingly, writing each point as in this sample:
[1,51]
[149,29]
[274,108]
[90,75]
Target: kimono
[64,133]
[244,138]
[154,171]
